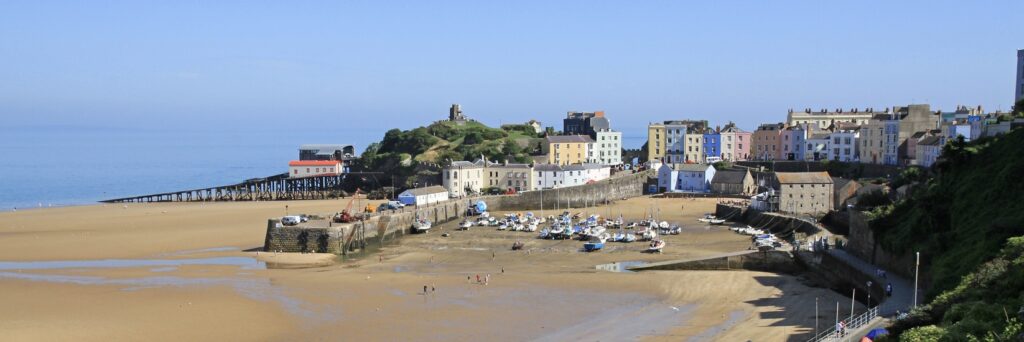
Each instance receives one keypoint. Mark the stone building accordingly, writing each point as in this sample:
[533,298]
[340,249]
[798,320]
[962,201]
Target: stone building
[455,113]
[825,118]
[733,183]
[804,192]
[463,178]
[845,189]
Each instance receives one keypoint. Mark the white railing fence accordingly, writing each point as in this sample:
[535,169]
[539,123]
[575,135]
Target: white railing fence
[851,325]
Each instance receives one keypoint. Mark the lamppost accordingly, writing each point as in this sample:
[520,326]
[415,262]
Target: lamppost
[917,265]
[869,294]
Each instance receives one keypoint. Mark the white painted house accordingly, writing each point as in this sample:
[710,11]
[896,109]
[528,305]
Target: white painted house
[308,168]
[550,176]
[423,196]
[843,145]
[685,177]
[606,148]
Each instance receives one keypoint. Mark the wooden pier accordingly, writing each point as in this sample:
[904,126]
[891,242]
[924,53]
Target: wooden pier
[273,188]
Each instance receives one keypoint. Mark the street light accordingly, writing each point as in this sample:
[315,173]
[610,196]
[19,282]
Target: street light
[917,265]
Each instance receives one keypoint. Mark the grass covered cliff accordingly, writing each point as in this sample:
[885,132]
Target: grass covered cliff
[966,219]
[415,155]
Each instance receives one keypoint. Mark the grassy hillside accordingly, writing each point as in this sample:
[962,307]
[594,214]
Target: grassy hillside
[960,219]
[402,153]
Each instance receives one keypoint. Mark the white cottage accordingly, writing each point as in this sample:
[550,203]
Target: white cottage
[423,196]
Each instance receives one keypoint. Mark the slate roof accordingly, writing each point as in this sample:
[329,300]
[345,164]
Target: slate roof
[803,177]
[690,167]
[565,139]
[426,191]
[729,177]
[930,141]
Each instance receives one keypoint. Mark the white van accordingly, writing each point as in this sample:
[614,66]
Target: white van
[291,220]
[396,204]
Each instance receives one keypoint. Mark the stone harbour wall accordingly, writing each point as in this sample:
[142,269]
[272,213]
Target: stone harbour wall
[345,238]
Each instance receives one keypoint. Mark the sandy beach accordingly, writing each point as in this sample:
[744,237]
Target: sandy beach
[175,271]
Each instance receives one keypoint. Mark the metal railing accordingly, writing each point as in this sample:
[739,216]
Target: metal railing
[851,325]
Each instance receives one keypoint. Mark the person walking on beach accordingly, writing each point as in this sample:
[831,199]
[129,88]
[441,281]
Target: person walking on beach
[487,279]
[424,290]
[477,278]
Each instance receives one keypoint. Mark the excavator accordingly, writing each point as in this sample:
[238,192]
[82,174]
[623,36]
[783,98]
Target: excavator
[345,216]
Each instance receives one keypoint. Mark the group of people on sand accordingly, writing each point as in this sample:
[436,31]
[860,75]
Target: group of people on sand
[484,281]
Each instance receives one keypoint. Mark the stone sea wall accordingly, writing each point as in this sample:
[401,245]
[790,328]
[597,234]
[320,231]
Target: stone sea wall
[345,238]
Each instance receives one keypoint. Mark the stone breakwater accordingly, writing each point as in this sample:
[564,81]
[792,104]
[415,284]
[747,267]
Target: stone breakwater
[322,236]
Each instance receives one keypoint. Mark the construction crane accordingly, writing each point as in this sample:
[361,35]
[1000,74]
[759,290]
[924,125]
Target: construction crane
[345,216]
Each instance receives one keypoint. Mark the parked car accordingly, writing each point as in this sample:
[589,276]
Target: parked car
[396,204]
[291,220]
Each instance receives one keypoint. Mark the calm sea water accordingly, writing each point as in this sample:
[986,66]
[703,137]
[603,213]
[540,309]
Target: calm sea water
[42,166]
[59,165]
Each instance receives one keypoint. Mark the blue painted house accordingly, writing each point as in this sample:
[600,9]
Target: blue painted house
[712,147]
[694,178]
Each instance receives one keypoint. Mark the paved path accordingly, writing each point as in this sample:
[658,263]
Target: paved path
[902,289]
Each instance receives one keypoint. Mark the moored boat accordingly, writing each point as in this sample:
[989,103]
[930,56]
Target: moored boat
[656,246]
[421,225]
[595,243]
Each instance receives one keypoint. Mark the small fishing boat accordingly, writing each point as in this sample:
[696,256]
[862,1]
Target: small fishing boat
[518,245]
[532,227]
[421,225]
[595,243]
[485,214]
[631,225]
[557,231]
[629,238]
[595,231]
[649,235]
[544,234]
[675,230]
[618,237]
[707,218]
[656,246]
[716,221]
[663,224]
[482,222]
[465,225]
[502,225]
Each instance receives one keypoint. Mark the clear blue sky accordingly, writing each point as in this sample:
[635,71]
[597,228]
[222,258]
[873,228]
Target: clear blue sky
[371,66]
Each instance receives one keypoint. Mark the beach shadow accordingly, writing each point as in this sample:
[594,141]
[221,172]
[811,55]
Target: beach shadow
[800,322]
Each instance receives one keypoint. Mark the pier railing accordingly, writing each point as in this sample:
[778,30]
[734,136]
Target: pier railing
[851,325]
[276,187]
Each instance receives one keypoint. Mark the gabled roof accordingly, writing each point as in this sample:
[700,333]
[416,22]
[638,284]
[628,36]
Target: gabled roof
[564,139]
[467,164]
[547,167]
[840,182]
[425,191]
[930,141]
[690,167]
[730,177]
[803,177]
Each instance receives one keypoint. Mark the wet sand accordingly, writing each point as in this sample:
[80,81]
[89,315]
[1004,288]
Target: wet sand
[549,291]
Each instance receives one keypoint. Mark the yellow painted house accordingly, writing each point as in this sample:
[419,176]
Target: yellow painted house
[568,149]
[655,142]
